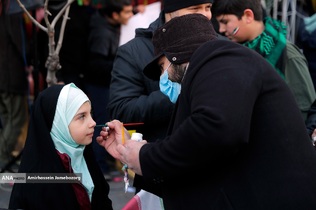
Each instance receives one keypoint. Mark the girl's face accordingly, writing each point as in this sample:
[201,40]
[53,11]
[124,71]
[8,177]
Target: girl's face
[82,125]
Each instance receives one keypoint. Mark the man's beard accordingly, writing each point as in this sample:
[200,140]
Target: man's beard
[179,72]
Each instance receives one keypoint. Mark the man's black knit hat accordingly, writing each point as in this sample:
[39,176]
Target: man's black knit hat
[173,5]
[178,39]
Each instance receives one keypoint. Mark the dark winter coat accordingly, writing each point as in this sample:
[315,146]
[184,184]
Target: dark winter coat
[237,139]
[133,96]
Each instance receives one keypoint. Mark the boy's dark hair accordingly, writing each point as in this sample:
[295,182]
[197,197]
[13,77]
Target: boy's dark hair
[111,6]
[237,7]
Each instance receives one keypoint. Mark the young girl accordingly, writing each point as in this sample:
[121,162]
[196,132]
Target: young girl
[59,141]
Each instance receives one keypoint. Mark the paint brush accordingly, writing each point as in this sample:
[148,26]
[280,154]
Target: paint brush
[124,124]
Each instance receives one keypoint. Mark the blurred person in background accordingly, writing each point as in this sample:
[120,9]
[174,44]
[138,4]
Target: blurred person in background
[15,62]
[306,35]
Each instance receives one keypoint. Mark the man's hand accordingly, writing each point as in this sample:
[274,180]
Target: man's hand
[130,154]
[116,140]
[112,136]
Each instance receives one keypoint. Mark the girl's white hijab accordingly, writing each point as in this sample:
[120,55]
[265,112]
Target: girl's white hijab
[69,101]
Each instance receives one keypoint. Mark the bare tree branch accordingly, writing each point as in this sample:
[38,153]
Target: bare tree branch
[62,30]
[31,17]
[62,11]
[52,63]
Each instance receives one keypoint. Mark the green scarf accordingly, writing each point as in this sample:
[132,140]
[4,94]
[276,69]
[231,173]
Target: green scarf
[271,43]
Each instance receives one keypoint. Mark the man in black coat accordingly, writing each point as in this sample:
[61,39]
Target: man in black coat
[235,118]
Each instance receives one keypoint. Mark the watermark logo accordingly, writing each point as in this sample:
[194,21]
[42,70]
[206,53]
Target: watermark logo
[40,178]
[12,177]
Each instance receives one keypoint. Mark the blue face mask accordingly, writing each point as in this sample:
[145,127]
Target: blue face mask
[169,88]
